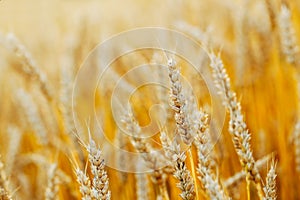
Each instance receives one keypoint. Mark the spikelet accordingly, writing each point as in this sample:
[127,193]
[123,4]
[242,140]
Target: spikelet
[100,181]
[53,181]
[181,172]
[209,181]
[237,126]
[178,103]
[270,187]
[287,33]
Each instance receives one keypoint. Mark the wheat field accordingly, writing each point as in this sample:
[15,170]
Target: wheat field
[153,124]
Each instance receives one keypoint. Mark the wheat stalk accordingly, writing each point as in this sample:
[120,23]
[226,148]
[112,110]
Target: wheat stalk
[142,185]
[236,178]
[121,158]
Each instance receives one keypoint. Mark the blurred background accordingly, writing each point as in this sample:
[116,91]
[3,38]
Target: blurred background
[44,43]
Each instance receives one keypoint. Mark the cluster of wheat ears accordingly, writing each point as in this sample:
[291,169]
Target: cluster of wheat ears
[47,153]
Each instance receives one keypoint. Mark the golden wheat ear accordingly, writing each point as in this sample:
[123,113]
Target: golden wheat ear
[181,173]
[100,183]
[270,187]
[237,126]
[209,181]
[84,184]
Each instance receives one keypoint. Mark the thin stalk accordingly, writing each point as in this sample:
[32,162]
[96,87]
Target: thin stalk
[193,172]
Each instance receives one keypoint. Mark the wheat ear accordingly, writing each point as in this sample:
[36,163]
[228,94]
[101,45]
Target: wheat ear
[33,116]
[270,187]
[209,181]
[181,172]
[178,103]
[100,181]
[237,126]
[53,181]
[29,65]
[85,184]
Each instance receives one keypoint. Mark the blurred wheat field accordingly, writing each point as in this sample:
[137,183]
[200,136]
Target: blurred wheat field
[46,154]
